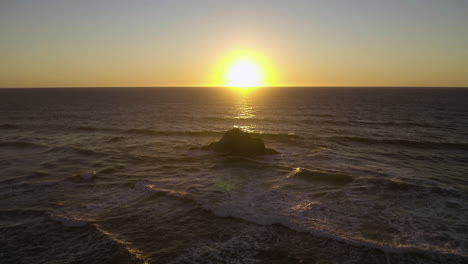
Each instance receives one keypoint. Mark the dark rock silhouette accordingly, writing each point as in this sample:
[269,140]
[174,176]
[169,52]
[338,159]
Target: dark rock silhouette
[238,142]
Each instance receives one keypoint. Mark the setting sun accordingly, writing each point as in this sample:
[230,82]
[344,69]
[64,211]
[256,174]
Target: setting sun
[244,68]
[244,73]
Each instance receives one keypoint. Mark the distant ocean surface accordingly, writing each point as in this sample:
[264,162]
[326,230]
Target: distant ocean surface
[115,175]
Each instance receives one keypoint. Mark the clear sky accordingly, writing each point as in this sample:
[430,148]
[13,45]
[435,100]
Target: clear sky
[56,43]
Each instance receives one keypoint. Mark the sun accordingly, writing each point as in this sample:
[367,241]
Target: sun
[243,69]
[244,73]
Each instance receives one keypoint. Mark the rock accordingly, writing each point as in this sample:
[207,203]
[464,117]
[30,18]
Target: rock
[238,142]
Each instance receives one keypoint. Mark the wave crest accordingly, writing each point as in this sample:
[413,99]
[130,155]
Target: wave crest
[402,142]
[322,176]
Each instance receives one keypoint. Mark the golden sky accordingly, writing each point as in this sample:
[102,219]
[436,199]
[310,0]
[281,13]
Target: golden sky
[54,43]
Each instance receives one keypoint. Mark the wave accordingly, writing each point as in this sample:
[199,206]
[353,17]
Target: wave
[321,176]
[68,221]
[395,185]
[323,118]
[370,123]
[244,208]
[173,133]
[9,126]
[96,129]
[318,115]
[239,207]
[169,192]
[253,119]
[21,144]
[203,133]
[250,120]
[84,175]
[277,136]
[402,142]
[16,218]
[151,132]
[67,149]
[58,241]
[209,133]
[48,149]
[13,213]
[115,139]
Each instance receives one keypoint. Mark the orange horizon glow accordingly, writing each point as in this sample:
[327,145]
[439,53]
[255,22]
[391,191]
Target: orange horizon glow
[154,43]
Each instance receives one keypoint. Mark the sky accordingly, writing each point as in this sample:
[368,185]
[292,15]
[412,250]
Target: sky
[89,43]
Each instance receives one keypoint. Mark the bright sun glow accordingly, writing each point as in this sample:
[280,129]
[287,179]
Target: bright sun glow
[243,69]
[244,73]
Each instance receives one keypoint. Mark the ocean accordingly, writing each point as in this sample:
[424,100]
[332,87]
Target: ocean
[116,175]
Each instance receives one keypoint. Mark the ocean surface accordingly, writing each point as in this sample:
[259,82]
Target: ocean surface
[115,175]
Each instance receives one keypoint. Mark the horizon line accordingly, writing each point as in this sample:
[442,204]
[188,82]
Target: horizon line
[224,86]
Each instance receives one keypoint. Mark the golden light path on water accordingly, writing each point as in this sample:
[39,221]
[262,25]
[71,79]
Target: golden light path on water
[245,111]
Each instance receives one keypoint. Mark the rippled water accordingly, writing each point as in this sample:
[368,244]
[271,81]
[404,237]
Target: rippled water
[114,176]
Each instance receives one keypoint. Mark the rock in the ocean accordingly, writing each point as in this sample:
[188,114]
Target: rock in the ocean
[238,142]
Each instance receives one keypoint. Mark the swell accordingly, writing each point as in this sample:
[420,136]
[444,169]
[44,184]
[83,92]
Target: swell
[43,237]
[68,221]
[67,149]
[252,119]
[395,185]
[21,144]
[337,237]
[172,133]
[9,126]
[402,142]
[318,115]
[316,175]
[371,123]
[170,193]
[206,133]
[270,120]
[22,212]
[16,218]
[96,129]
[284,222]
[48,149]
[152,132]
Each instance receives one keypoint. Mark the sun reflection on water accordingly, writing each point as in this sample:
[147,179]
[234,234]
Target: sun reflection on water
[245,111]
[244,108]
[250,128]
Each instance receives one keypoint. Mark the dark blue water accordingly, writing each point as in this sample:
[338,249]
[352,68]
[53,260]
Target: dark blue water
[114,175]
